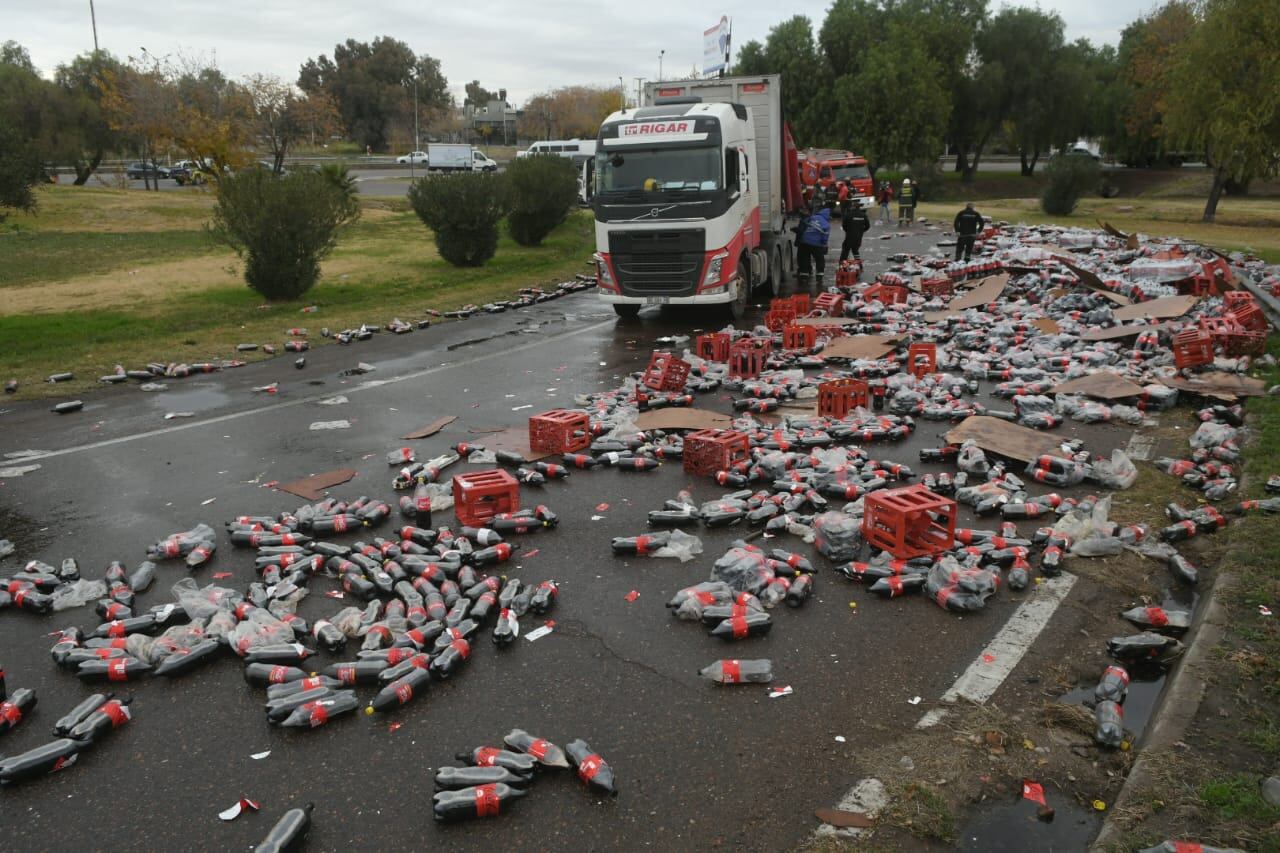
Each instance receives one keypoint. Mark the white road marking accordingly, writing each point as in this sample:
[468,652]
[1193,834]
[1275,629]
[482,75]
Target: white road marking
[868,797]
[989,670]
[315,398]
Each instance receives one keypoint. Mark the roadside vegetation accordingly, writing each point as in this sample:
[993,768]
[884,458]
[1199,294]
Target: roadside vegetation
[96,278]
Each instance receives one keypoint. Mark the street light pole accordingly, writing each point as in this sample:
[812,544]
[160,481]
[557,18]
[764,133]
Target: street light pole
[639,83]
[661,54]
[93,17]
[622,90]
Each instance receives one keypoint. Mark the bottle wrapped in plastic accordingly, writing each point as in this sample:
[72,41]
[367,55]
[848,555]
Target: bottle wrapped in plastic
[320,711]
[490,756]
[107,717]
[1109,721]
[1113,686]
[289,832]
[739,671]
[1158,619]
[592,769]
[17,706]
[1147,647]
[837,536]
[49,758]
[1188,847]
[547,753]
[481,801]
[453,778]
[750,624]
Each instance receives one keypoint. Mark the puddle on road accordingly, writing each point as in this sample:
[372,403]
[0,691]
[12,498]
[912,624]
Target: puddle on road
[197,399]
[1013,827]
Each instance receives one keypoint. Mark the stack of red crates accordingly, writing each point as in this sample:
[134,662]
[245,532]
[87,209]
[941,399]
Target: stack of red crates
[747,357]
[909,522]
[710,450]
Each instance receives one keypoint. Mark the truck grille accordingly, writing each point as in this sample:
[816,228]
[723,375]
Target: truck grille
[658,263]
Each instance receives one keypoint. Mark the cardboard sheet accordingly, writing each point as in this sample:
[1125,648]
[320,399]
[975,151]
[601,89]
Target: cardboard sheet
[675,418]
[312,488]
[860,346]
[1130,240]
[1103,385]
[1004,438]
[516,440]
[1090,281]
[1226,386]
[987,290]
[1116,332]
[432,428]
[1164,308]
[842,818]
[1047,325]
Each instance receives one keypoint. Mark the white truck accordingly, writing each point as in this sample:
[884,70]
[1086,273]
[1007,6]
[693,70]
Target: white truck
[443,157]
[694,195]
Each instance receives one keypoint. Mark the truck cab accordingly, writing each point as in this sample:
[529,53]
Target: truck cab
[684,210]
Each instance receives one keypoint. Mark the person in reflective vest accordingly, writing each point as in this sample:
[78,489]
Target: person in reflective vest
[906,202]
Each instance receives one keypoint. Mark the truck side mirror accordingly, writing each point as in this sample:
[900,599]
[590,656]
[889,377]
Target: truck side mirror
[744,169]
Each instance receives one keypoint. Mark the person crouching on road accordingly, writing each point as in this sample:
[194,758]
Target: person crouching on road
[906,203]
[885,197]
[967,224]
[854,220]
[813,232]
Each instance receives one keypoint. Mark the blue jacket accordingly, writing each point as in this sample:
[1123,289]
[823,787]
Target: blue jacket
[815,230]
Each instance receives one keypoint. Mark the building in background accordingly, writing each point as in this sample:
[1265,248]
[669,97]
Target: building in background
[493,122]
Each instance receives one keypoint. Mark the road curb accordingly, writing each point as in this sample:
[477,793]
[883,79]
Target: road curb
[1178,706]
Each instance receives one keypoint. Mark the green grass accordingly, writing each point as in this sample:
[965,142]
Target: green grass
[101,277]
[29,257]
[1238,798]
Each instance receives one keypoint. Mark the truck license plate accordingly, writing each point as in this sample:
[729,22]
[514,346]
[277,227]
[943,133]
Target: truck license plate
[657,300]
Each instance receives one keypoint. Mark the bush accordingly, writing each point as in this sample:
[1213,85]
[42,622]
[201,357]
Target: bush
[542,191]
[928,179]
[1070,176]
[283,226]
[19,170]
[463,210]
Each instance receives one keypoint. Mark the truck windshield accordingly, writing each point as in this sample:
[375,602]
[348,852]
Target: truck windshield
[851,173]
[659,170]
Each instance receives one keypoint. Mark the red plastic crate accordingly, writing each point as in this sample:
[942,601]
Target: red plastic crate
[909,522]
[559,431]
[1192,348]
[1245,342]
[665,372]
[887,294]
[480,495]
[800,304]
[747,357]
[848,273]
[922,359]
[839,397]
[778,319]
[932,287]
[799,337]
[1249,315]
[714,346]
[710,450]
[1233,299]
[830,304]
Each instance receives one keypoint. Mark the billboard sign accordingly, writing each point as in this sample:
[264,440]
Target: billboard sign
[715,47]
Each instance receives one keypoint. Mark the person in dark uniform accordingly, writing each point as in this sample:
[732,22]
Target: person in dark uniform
[853,218]
[812,232]
[967,224]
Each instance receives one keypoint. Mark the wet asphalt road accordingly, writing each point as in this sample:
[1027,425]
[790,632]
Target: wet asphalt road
[698,765]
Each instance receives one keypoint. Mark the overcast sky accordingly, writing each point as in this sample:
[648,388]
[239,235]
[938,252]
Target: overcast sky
[525,46]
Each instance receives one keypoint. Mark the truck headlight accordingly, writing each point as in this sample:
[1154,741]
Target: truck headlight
[714,269]
[603,274]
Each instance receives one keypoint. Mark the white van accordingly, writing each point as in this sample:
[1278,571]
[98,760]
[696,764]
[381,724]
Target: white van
[576,150]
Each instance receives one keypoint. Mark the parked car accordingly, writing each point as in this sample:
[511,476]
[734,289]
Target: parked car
[188,172]
[137,171]
[419,157]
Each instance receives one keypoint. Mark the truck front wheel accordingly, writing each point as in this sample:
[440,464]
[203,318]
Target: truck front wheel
[626,312]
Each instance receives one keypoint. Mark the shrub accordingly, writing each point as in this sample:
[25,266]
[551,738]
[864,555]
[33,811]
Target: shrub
[283,226]
[1070,176]
[463,210]
[928,179]
[542,191]
[19,170]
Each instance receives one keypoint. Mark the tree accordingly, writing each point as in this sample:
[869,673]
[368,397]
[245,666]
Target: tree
[20,169]
[1227,84]
[1149,48]
[895,107]
[751,60]
[17,56]
[463,210]
[282,226]
[284,116]
[372,86]
[573,112]
[478,95]
[83,85]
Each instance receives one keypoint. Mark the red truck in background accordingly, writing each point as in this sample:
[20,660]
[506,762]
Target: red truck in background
[825,167]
